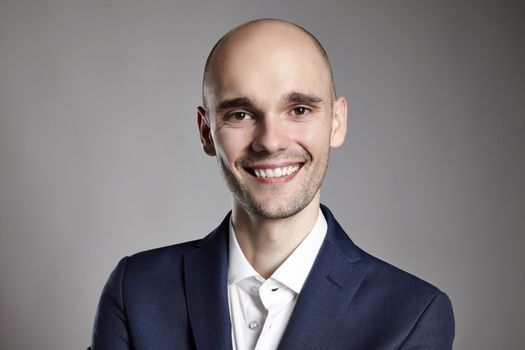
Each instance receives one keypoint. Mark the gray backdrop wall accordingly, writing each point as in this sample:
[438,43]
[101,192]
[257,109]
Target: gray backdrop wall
[100,158]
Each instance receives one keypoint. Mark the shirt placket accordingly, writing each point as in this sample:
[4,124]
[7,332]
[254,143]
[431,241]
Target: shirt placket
[274,297]
[254,312]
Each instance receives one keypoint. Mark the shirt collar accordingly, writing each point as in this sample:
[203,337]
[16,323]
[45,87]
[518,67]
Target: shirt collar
[238,266]
[293,271]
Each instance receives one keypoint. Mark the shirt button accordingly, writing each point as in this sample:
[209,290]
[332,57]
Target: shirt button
[254,325]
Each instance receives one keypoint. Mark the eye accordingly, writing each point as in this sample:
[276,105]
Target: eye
[239,116]
[300,110]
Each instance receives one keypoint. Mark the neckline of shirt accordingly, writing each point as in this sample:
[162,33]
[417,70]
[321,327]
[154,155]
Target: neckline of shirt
[293,271]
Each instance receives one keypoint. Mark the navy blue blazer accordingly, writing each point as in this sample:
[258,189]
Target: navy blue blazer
[176,298]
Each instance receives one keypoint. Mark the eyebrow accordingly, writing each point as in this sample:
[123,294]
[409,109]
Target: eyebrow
[300,98]
[239,102]
[246,103]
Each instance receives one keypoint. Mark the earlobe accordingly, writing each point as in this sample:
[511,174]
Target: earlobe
[339,119]
[205,132]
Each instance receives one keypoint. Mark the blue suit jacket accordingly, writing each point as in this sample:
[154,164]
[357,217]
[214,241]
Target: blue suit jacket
[176,298]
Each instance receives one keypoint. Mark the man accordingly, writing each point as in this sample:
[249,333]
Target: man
[279,272]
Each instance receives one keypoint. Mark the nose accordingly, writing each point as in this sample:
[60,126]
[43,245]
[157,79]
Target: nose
[271,135]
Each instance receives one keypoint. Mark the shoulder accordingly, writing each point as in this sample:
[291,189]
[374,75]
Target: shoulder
[393,279]
[424,309]
[383,276]
[162,255]
[386,290]
[156,262]
[164,264]
[149,275]
[383,280]
[404,307]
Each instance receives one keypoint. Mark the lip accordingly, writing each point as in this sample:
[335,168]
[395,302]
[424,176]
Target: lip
[274,165]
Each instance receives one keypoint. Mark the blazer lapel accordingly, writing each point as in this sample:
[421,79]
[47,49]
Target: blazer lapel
[327,292]
[206,274]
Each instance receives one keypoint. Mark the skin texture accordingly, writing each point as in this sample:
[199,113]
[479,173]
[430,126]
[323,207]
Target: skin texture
[270,103]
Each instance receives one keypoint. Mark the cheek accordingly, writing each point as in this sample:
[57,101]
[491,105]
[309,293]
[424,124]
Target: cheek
[314,138]
[231,143]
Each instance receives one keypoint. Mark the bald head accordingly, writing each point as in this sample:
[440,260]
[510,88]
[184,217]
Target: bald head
[263,37]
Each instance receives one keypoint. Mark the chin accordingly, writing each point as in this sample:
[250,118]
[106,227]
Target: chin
[275,211]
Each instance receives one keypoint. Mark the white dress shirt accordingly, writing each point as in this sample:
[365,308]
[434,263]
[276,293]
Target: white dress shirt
[259,308]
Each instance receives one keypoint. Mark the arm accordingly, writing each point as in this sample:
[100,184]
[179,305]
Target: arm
[434,328]
[110,331]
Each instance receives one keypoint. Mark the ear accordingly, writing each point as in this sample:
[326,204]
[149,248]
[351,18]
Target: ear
[339,112]
[205,132]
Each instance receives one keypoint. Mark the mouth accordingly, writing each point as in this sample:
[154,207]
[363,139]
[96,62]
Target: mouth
[273,172]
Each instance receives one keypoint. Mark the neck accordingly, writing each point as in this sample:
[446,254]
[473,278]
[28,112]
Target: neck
[267,243]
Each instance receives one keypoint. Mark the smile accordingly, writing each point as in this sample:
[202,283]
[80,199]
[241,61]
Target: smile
[274,172]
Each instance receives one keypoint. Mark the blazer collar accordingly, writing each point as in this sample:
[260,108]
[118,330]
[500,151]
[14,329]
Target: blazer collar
[206,277]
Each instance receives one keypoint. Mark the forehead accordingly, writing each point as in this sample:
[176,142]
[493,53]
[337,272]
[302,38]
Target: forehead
[268,61]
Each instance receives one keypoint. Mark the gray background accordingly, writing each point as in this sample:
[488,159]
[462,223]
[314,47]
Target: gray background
[100,157]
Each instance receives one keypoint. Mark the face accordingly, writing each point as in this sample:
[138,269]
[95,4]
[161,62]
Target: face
[271,122]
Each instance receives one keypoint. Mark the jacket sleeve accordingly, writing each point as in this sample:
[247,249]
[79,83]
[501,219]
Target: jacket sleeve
[434,328]
[110,331]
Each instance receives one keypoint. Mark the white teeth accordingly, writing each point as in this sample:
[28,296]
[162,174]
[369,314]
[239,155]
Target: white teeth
[277,172]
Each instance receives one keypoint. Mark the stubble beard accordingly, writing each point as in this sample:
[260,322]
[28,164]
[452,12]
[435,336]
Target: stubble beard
[287,206]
